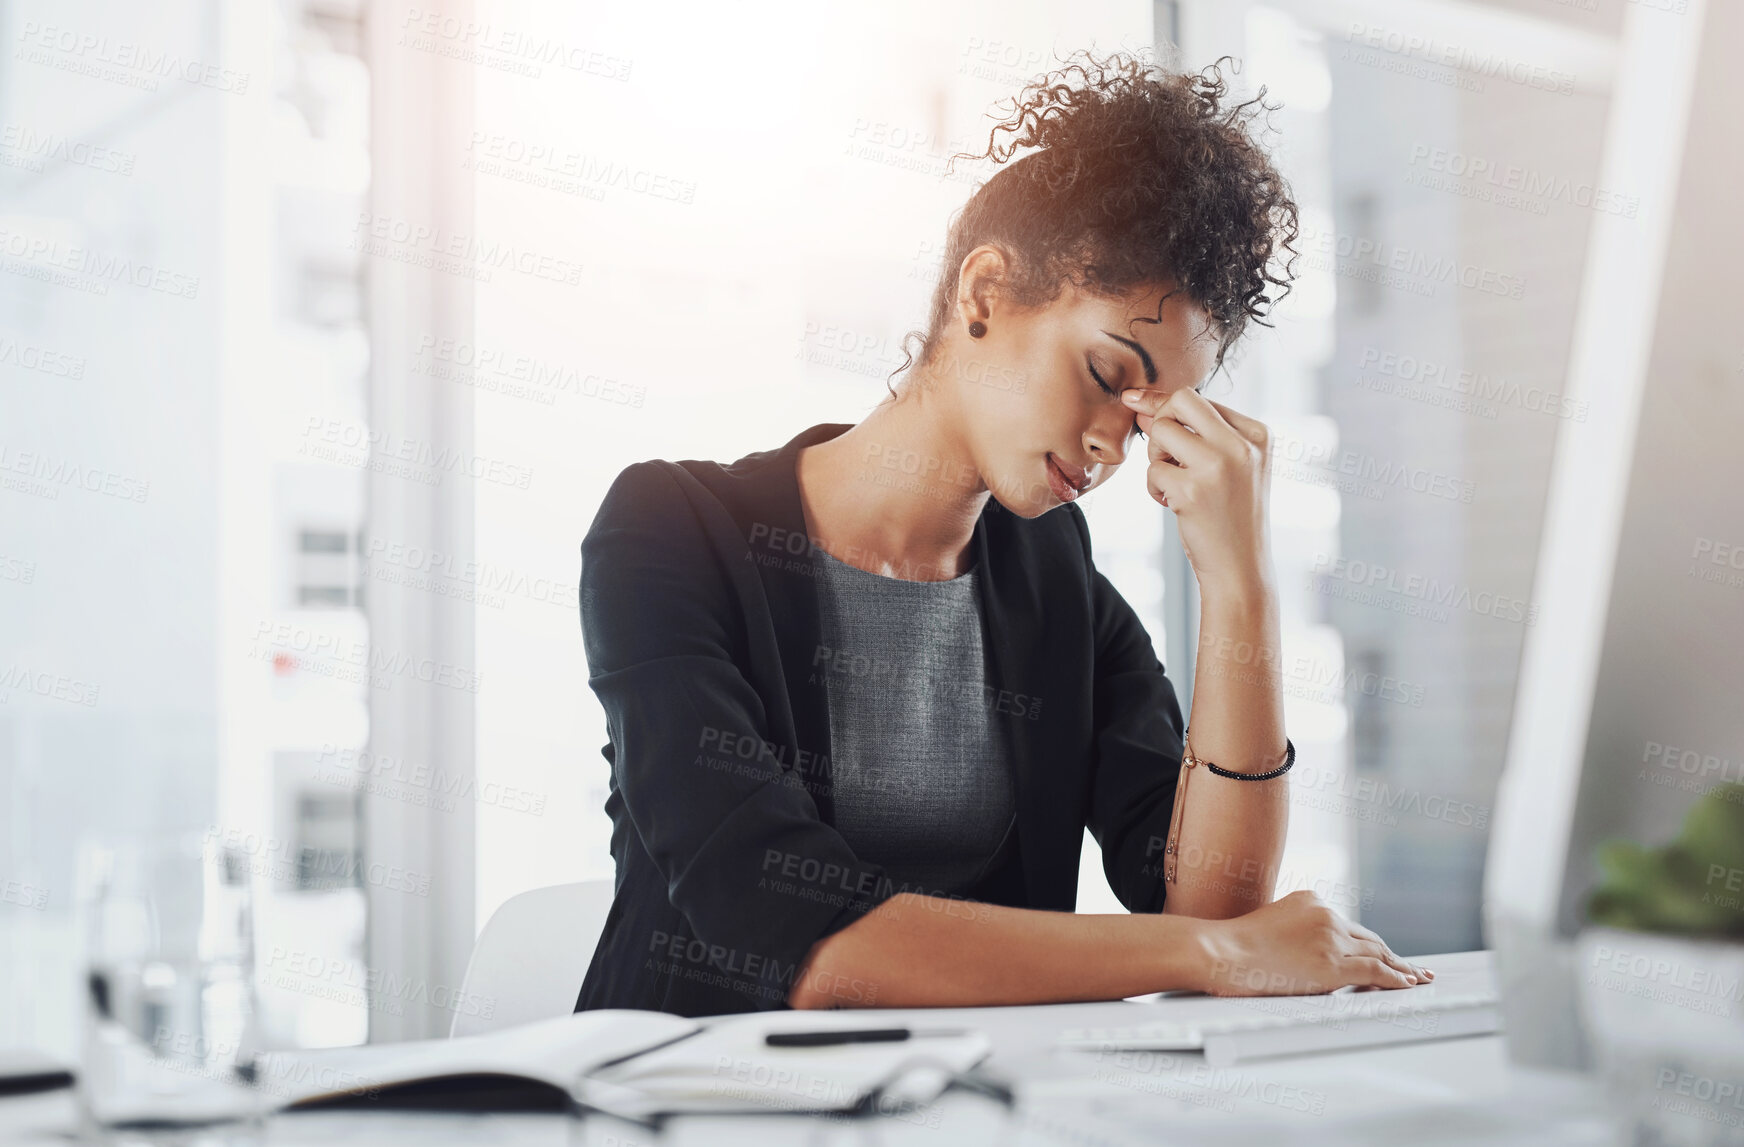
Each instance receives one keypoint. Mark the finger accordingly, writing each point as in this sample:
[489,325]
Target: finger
[1159,490]
[1151,403]
[1171,438]
[1361,932]
[1200,415]
[1370,936]
[1145,401]
[1251,429]
[1366,971]
[1378,950]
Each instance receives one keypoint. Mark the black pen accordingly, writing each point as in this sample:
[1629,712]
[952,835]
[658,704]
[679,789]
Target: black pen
[825,1038]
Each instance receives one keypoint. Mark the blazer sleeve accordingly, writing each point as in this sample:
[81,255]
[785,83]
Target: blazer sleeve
[1138,745]
[732,831]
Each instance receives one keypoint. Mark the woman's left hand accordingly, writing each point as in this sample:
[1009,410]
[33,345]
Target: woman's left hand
[1212,466]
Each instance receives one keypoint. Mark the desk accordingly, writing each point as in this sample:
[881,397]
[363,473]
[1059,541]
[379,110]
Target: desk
[1460,1091]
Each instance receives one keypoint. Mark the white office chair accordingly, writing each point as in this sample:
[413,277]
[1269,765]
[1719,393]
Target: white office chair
[531,957]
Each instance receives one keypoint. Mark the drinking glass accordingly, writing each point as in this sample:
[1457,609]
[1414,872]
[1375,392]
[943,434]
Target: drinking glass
[169,1014]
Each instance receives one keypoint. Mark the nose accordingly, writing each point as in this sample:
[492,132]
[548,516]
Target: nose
[1108,446]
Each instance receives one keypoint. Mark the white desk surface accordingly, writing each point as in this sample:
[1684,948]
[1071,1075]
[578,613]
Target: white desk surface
[1460,1091]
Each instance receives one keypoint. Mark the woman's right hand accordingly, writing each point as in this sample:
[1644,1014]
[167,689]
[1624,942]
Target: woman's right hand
[1298,946]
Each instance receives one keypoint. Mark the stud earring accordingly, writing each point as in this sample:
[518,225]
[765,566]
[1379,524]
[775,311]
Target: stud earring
[977,329]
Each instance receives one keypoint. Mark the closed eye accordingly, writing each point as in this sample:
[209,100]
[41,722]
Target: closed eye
[1106,389]
[1109,391]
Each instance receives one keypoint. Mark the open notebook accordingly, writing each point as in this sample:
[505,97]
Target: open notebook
[639,1065]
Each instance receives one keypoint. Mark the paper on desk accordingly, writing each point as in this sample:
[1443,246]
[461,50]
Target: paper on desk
[550,1053]
[729,1068]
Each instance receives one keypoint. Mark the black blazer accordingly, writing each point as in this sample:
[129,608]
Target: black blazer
[700,616]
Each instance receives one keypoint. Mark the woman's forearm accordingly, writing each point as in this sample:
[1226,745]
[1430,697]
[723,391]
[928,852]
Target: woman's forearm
[917,951]
[1232,832]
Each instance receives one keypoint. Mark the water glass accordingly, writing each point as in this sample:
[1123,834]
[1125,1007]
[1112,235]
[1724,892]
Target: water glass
[169,1015]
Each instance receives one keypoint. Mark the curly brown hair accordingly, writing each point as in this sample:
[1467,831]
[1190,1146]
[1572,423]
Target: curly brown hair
[1141,177]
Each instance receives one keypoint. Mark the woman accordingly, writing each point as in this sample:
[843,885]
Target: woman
[866,691]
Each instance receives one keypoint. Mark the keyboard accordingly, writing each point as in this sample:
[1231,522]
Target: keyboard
[1233,1029]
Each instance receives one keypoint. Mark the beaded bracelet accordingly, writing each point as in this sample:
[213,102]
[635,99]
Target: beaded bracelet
[1289,759]
[1172,849]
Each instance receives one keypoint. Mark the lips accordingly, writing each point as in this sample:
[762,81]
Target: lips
[1075,477]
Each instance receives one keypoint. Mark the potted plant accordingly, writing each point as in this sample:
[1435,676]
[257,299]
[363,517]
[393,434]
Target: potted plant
[1662,976]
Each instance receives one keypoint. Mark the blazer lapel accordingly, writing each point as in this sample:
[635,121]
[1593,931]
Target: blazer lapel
[776,534]
[1030,671]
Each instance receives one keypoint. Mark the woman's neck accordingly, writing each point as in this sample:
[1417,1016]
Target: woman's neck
[897,494]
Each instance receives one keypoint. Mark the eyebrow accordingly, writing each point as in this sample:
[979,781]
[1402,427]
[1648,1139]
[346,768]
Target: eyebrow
[1144,358]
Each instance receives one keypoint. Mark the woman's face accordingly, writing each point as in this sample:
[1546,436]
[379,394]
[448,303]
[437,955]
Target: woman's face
[1040,391]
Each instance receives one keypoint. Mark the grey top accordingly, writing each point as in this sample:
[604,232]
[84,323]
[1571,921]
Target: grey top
[920,781]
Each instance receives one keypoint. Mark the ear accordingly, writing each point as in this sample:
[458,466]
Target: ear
[978,282]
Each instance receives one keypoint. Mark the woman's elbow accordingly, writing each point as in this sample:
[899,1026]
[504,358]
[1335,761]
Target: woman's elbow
[824,982]
[803,995]
[846,969]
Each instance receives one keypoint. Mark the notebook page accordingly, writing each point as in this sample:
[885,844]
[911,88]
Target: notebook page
[554,1051]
